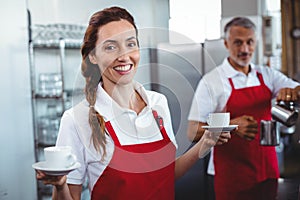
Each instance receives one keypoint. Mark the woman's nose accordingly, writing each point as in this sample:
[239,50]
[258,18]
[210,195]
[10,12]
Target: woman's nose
[124,56]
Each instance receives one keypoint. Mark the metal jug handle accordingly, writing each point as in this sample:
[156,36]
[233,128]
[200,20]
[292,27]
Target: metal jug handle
[290,105]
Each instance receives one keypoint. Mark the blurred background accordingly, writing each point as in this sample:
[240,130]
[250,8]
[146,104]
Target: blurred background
[180,41]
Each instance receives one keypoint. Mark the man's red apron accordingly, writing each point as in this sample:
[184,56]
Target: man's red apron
[139,171]
[241,164]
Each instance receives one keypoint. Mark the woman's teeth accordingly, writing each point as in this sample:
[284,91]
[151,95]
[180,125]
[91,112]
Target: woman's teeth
[123,68]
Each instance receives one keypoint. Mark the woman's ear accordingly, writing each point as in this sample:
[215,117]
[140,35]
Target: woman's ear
[93,59]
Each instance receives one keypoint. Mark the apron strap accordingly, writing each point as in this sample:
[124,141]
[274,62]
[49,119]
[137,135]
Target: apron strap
[158,119]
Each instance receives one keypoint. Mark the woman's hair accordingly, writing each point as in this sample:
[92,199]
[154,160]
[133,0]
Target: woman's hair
[91,71]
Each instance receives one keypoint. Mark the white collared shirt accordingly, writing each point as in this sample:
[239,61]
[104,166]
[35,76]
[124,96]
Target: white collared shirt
[128,126]
[214,89]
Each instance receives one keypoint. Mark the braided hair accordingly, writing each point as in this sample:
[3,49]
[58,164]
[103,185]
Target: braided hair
[92,73]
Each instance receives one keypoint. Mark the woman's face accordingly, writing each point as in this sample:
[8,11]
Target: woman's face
[117,52]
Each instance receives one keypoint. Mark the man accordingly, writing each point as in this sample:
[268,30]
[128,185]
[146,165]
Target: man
[243,168]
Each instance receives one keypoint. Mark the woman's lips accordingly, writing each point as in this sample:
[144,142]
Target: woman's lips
[123,69]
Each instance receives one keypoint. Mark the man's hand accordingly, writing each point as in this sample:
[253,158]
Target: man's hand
[247,127]
[288,94]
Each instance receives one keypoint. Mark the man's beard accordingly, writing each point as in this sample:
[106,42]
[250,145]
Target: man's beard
[241,62]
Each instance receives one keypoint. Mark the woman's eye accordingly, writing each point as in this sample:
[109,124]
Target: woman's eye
[110,47]
[132,44]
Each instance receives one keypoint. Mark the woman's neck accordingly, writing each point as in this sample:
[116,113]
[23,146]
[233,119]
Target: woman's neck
[126,96]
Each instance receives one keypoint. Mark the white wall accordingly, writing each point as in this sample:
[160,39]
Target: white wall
[17,178]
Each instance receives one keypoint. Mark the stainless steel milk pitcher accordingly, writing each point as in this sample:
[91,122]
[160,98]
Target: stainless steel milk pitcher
[269,136]
[285,113]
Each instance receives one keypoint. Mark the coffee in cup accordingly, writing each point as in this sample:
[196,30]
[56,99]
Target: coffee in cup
[59,157]
[218,119]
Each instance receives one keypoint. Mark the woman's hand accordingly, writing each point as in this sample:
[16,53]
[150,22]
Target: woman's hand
[223,138]
[53,180]
[210,139]
[61,189]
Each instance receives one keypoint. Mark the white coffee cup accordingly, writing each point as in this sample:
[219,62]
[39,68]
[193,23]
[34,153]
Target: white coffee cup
[218,119]
[59,157]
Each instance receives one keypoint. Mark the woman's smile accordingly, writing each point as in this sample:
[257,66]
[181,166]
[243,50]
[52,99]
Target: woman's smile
[123,69]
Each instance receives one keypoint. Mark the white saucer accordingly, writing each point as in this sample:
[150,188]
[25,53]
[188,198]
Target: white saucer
[220,128]
[54,172]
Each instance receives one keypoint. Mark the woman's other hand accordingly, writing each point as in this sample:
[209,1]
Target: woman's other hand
[52,180]
[210,139]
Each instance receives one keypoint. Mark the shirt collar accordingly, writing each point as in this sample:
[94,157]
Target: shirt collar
[230,72]
[108,108]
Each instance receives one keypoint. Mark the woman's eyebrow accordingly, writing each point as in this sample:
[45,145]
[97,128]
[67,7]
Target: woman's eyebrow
[133,37]
[114,41]
[109,41]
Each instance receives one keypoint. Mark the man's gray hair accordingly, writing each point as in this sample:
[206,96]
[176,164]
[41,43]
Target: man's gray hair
[239,21]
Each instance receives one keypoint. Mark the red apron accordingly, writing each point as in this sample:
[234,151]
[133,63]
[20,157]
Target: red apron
[139,171]
[240,164]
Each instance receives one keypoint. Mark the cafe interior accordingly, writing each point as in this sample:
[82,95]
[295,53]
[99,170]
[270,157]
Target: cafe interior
[180,41]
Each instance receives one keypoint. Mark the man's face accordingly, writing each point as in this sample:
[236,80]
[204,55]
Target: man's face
[241,43]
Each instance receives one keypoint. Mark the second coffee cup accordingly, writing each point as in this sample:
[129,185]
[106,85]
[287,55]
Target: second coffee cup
[218,119]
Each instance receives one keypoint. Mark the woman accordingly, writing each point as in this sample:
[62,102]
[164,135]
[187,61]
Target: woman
[122,133]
